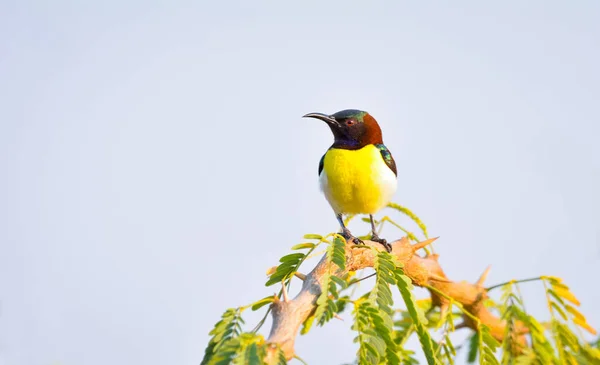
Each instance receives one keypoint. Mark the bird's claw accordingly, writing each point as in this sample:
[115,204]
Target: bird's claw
[357,241]
[383,241]
[349,237]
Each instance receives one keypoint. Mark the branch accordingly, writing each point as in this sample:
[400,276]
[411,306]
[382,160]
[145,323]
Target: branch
[288,315]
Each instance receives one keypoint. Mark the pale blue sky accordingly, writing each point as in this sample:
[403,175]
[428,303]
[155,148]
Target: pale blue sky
[154,162]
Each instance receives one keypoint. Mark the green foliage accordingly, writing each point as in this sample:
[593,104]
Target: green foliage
[336,252]
[289,264]
[326,306]
[561,302]
[449,352]
[374,335]
[417,316]
[473,348]
[301,246]
[407,356]
[247,349]
[381,300]
[483,345]
[307,324]
[385,268]
[445,347]
[512,310]
[229,345]
[228,328]
[403,329]
[279,359]
[552,343]
[487,346]
[377,339]
[383,329]
[261,303]
[541,346]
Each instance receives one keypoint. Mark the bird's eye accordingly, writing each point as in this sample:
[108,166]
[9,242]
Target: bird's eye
[350,121]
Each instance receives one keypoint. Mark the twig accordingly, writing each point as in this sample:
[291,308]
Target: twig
[513,282]
[355,281]
[285,292]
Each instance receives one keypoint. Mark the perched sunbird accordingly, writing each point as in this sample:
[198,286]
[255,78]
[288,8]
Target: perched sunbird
[357,174]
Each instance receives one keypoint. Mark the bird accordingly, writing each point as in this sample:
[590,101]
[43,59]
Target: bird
[357,174]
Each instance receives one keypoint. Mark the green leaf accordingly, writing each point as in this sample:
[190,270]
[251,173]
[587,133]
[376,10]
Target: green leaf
[374,335]
[406,356]
[293,257]
[325,306]
[381,294]
[473,348]
[450,345]
[302,246]
[555,281]
[575,312]
[341,282]
[566,294]
[487,346]
[279,358]
[449,354]
[556,297]
[559,310]
[251,356]
[226,353]
[289,265]
[247,349]
[311,236]
[307,324]
[341,303]
[488,339]
[568,338]
[223,332]
[264,301]
[336,252]
[405,286]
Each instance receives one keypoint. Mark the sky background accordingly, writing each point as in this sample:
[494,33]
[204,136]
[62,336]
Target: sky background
[154,162]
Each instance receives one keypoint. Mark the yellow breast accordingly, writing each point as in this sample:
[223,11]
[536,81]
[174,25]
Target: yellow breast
[357,181]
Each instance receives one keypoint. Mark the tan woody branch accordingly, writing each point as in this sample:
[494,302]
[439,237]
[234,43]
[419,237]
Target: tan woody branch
[289,314]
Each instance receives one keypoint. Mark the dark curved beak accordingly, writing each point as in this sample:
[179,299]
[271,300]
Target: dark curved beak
[324,117]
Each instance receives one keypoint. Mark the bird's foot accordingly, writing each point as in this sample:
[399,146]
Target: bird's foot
[383,241]
[349,237]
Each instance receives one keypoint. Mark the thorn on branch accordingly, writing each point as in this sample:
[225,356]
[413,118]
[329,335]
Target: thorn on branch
[276,300]
[423,244]
[300,276]
[483,276]
[439,278]
[286,298]
[444,308]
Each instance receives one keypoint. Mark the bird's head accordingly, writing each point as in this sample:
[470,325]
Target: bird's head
[351,128]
